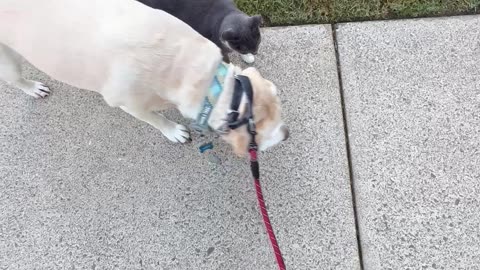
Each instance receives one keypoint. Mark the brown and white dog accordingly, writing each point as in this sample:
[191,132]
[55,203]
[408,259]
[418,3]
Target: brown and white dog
[140,59]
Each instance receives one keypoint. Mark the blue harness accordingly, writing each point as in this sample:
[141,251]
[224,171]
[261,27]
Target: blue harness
[216,88]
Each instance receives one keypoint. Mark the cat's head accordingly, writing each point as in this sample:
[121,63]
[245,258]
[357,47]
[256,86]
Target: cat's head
[241,33]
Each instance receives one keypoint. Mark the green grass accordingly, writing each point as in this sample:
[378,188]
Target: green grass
[288,12]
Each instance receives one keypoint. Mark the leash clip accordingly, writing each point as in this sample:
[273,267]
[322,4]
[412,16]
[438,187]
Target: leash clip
[252,130]
[251,126]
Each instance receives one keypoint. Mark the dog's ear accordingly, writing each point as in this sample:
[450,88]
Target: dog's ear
[256,21]
[230,34]
[239,140]
[261,112]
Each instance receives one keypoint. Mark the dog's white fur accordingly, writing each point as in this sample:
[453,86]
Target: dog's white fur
[140,59]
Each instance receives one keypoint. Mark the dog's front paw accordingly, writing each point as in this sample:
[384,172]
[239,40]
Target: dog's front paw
[41,90]
[179,134]
[248,58]
[34,88]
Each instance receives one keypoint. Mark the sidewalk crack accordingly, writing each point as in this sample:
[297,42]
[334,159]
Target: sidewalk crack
[347,145]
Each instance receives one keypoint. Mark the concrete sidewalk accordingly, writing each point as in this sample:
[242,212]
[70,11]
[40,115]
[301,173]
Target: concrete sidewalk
[86,186]
[412,95]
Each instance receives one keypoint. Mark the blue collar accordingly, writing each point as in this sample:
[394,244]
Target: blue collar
[216,88]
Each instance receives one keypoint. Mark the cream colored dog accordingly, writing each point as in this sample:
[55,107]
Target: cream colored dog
[140,59]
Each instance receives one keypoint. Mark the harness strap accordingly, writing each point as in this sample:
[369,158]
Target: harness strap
[242,85]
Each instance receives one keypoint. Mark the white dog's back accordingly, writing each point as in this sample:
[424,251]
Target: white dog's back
[139,59]
[90,30]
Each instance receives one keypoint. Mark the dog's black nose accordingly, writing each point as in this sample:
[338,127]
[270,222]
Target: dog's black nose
[286,133]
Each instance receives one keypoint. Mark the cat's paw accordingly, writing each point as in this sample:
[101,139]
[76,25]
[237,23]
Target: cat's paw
[248,58]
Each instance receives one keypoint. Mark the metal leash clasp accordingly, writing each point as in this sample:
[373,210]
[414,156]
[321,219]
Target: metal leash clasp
[252,129]
[253,132]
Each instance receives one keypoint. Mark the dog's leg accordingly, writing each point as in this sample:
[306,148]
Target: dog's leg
[173,131]
[11,72]
[118,92]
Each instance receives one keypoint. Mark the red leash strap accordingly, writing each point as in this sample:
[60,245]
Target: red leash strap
[243,85]
[263,209]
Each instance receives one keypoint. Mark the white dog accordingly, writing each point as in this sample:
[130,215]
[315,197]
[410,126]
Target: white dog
[140,59]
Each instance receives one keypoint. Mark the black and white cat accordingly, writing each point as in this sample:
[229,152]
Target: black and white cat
[218,20]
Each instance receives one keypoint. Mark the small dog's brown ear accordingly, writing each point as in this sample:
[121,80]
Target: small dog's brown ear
[239,141]
[260,112]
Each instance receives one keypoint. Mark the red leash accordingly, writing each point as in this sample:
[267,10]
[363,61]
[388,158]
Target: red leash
[263,209]
[243,86]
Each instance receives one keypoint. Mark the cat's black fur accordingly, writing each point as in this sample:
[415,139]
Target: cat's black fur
[218,20]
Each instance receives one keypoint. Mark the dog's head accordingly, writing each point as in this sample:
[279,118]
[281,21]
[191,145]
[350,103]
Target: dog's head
[267,114]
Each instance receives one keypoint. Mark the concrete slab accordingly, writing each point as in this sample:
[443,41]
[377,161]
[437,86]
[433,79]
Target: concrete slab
[85,186]
[412,91]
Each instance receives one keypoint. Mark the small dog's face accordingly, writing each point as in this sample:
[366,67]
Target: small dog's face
[267,114]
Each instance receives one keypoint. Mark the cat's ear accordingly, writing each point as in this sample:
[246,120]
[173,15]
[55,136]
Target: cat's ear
[256,21]
[229,34]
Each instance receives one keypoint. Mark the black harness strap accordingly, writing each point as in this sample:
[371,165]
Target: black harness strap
[242,85]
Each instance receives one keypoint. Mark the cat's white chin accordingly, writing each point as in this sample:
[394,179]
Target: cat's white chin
[248,58]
